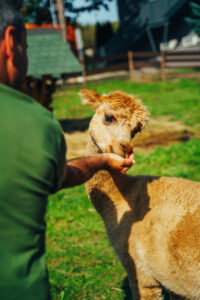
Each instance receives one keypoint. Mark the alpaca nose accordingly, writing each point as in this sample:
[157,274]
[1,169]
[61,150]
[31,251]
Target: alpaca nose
[127,147]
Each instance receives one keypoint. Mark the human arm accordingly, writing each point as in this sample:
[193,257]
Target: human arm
[78,171]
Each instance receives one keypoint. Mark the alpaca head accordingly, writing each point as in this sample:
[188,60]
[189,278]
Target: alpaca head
[117,119]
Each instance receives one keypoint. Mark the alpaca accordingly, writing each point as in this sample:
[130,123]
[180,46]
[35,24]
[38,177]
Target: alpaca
[152,222]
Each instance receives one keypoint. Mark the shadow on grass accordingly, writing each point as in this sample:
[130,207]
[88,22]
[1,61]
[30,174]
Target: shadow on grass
[71,125]
[127,291]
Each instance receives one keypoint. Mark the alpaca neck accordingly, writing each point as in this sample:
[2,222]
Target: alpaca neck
[106,191]
[92,148]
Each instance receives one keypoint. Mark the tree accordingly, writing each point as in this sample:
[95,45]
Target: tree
[35,11]
[194,20]
[104,33]
[38,11]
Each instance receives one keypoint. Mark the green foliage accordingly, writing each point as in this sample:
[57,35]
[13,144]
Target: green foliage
[35,11]
[104,32]
[88,34]
[38,11]
[194,20]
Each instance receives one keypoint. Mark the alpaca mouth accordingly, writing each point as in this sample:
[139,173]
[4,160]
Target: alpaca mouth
[129,154]
[122,150]
[127,150]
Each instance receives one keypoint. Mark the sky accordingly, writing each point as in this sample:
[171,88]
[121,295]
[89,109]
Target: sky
[101,16]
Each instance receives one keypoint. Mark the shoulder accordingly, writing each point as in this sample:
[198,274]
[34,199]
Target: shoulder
[23,116]
[20,106]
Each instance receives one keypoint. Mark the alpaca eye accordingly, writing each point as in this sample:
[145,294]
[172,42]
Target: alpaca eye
[136,130]
[109,119]
[133,133]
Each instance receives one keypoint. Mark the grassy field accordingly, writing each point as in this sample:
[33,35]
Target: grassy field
[178,99]
[81,262]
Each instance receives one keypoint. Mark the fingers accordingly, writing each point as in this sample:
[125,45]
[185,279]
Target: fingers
[129,161]
[127,167]
[131,156]
[123,171]
[120,165]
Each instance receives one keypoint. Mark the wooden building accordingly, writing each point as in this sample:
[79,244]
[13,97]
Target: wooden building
[152,25]
[50,59]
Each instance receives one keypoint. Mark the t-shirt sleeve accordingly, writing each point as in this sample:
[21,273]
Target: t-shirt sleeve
[60,162]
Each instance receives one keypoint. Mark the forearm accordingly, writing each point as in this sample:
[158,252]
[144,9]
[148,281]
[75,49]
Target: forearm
[80,170]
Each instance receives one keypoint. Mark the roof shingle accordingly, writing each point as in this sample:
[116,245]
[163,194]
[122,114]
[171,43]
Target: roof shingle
[49,55]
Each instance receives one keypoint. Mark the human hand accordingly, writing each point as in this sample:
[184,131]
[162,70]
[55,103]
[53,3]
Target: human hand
[119,164]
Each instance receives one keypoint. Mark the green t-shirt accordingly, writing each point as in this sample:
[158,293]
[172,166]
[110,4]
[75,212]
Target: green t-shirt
[32,159]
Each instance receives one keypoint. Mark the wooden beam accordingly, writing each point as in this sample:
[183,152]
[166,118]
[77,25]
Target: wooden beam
[131,64]
[163,74]
[34,89]
[84,75]
[61,18]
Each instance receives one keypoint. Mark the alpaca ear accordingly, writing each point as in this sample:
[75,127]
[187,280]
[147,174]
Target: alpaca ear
[91,98]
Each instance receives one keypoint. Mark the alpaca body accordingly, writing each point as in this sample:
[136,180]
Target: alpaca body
[152,222]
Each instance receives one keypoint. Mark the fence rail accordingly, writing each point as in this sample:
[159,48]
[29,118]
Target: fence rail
[42,88]
[132,61]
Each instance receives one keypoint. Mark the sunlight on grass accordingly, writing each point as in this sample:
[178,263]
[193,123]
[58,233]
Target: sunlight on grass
[79,256]
[180,99]
[181,160]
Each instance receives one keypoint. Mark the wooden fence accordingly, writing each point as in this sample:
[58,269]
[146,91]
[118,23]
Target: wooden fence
[43,88]
[132,61]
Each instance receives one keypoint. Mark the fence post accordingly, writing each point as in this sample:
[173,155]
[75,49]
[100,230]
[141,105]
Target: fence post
[163,74]
[131,64]
[34,89]
[82,61]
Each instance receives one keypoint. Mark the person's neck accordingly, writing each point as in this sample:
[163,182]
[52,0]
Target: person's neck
[4,71]
[3,74]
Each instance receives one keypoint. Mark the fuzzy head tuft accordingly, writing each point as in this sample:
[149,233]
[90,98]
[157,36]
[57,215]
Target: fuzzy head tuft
[124,105]
[91,98]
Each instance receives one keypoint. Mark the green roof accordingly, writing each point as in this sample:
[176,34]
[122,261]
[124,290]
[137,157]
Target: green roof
[49,55]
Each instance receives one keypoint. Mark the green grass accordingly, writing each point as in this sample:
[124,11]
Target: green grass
[80,259]
[177,99]
[184,70]
[81,262]
[180,160]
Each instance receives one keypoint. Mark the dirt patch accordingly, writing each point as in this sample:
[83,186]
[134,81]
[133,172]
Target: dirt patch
[159,131]
[163,132]
[76,143]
